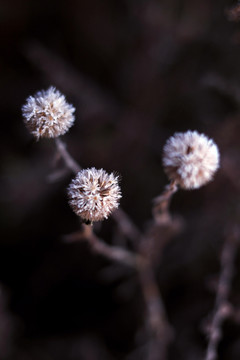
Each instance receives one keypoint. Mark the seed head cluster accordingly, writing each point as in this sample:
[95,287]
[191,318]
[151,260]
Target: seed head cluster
[94,194]
[191,159]
[47,114]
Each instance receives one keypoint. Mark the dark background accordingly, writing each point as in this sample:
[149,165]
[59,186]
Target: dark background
[137,71]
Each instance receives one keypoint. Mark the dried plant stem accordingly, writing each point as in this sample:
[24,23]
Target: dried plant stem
[161,332]
[57,175]
[67,158]
[161,204]
[160,328]
[223,290]
[112,252]
[127,226]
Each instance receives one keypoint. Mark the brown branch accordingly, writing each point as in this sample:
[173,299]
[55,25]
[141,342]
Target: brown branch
[116,253]
[223,291]
[111,252]
[67,158]
[161,204]
[57,175]
[141,262]
[128,228]
[161,332]
[149,248]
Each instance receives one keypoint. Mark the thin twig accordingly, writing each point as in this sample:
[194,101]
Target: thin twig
[68,159]
[161,330]
[114,252]
[223,291]
[111,252]
[57,175]
[161,204]
[141,262]
[126,225]
[159,325]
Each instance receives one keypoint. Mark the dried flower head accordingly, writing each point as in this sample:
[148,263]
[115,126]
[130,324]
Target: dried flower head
[191,159]
[47,114]
[94,194]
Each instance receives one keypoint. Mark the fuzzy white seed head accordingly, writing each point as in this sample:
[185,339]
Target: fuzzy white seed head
[191,159]
[94,194]
[47,114]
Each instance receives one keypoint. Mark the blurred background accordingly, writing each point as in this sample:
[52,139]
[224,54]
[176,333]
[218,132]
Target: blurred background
[137,71]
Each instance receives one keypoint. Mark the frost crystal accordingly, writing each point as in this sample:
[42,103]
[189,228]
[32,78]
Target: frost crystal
[47,114]
[191,159]
[94,194]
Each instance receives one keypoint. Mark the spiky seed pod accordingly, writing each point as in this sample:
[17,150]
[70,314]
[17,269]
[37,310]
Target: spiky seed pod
[191,159]
[47,114]
[94,194]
